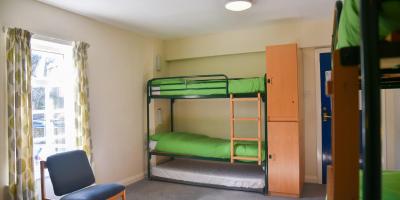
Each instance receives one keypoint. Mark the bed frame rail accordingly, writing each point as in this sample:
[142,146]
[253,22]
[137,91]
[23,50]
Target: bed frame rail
[152,88]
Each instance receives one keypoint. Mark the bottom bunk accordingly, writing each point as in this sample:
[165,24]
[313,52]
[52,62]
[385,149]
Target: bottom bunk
[196,145]
[244,177]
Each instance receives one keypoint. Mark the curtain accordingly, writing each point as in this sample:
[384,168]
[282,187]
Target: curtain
[83,139]
[19,112]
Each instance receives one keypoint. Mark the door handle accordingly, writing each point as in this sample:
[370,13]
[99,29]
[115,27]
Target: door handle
[326,116]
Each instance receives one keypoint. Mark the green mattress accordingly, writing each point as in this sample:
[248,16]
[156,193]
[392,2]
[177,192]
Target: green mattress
[390,185]
[349,26]
[201,145]
[173,87]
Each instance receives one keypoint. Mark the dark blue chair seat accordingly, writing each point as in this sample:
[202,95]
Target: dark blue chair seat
[95,192]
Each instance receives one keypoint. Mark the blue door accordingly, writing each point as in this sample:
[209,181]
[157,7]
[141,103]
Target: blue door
[325,69]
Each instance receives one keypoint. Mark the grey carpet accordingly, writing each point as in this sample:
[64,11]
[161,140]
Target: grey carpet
[156,190]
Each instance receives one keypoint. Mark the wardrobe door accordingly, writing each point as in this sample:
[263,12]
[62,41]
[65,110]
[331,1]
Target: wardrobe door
[282,83]
[283,158]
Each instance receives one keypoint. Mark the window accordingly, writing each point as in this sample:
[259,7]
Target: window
[52,100]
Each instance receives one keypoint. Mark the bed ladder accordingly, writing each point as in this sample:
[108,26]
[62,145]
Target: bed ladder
[234,138]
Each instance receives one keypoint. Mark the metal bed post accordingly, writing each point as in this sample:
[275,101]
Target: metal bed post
[371,113]
[148,130]
[172,114]
[227,86]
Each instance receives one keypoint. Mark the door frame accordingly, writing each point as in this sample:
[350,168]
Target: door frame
[318,125]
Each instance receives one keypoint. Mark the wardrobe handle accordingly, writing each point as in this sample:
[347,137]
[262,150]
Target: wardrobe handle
[269,80]
[270,156]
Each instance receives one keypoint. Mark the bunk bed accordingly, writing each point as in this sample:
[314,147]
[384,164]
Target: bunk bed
[365,39]
[201,151]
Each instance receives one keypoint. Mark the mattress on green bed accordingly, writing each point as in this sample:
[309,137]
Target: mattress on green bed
[390,185]
[349,26]
[201,145]
[182,87]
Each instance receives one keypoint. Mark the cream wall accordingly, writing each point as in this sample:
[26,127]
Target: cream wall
[310,115]
[211,117]
[117,71]
[156,51]
[156,124]
[306,33]
[391,129]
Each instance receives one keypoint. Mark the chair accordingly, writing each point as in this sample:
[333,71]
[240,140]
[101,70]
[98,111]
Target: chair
[72,176]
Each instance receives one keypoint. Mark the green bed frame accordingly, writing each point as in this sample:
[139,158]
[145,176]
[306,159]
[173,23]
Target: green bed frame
[196,79]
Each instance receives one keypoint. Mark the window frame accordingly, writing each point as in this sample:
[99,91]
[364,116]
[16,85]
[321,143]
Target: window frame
[65,50]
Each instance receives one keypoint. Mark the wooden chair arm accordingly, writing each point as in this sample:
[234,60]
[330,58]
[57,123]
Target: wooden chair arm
[43,166]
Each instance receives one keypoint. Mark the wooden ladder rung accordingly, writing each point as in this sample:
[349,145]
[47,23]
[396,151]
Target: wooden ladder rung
[246,119]
[245,158]
[245,99]
[245,139]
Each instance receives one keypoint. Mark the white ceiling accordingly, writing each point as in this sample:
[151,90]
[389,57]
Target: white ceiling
[181,18]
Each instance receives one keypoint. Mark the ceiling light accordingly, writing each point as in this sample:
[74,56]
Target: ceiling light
[238,5]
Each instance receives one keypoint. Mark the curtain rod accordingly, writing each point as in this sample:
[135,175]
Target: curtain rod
[44,37]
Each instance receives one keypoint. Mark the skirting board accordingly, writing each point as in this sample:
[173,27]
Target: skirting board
[132,179]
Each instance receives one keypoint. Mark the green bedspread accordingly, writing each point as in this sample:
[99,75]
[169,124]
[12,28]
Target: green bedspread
[349,25]
[390,185]
[202,145]
[236,86]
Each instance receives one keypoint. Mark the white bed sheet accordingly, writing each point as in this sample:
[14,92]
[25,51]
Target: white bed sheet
[215,173]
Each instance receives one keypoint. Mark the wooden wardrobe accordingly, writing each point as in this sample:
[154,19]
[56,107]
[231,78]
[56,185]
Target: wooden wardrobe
[285,139]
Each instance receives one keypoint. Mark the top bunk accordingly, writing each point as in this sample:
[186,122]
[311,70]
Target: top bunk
[347,34]
[347,39]
[205,87]
[347,23]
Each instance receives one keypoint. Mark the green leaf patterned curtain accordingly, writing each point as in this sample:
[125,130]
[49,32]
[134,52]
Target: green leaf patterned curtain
[19,112]
[82,99]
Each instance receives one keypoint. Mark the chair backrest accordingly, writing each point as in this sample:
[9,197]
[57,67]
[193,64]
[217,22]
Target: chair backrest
[69,171]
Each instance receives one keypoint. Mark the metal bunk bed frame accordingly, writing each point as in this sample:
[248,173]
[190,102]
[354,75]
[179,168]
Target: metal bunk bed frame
[368,56]
[212,78]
